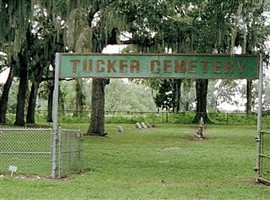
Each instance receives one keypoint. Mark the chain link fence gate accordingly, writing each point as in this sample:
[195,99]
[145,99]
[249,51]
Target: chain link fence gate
[263,158]
[30,150]
[70,158]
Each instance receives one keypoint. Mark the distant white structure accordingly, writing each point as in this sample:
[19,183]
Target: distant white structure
[113,48]
[4,75]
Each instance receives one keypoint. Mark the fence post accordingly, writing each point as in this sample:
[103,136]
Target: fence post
[59,140]
[259,118]
[257,167]
[55,114]
[54,152]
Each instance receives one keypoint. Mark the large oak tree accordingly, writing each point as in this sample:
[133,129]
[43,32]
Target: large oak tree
[182,26]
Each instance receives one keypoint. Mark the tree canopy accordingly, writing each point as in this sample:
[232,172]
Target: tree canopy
[35,30]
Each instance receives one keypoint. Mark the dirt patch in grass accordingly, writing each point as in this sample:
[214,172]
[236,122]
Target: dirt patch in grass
[194,138]
[26,177]
[36,177]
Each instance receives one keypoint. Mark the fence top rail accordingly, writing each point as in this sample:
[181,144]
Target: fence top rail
[26,152]
[23,129]
[69,130]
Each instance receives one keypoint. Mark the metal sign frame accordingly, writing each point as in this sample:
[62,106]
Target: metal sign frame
[181,66]
[173,66]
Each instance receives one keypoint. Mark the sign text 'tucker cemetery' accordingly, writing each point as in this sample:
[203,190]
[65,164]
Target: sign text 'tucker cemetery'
[186,66]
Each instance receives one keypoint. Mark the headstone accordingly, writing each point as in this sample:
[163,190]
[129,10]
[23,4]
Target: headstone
[143,125]
[120,129]
[138,125]
[200,131]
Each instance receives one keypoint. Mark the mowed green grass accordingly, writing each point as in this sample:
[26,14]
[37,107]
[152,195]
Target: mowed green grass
[164,162]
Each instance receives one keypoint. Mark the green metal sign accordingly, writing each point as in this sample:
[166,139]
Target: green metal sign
[175,66]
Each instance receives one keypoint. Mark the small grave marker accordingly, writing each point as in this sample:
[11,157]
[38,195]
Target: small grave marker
[200,131]
[138,125]
[12,169]
[120,129]
[143,125]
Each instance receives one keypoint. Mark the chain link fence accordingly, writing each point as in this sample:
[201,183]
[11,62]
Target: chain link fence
[29,151]
[70,152]
[263,157]
[130,117]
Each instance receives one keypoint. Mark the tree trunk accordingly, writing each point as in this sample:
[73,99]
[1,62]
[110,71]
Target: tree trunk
[4,97]
[98,101]
[177,94]
[30,117]
[97,126]
[79,98]
[38,69]
[101,38]
[249,97]
[50,101]
[201,96]
[249,82]
[61,101]
[21,97]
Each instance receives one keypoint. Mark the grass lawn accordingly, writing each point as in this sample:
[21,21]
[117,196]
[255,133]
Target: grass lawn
[164,162]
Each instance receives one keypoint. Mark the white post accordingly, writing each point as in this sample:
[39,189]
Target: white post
[259,118]
[55,114]
[260,93]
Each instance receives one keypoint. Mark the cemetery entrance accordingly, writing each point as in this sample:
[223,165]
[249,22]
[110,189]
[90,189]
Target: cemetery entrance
[156,66]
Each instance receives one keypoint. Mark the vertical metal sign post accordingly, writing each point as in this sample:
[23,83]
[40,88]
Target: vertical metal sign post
[259,118]
[260,88]
[55,114]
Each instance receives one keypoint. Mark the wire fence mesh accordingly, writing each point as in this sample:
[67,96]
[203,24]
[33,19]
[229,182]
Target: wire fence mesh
[29,151]
[264,157]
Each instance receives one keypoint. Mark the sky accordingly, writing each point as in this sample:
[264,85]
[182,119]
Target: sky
[3,76]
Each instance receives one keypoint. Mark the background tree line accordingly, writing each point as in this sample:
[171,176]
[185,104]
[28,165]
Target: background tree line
[131,96]
[35,30]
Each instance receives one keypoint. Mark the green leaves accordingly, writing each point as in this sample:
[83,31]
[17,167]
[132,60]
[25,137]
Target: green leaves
[128,96]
